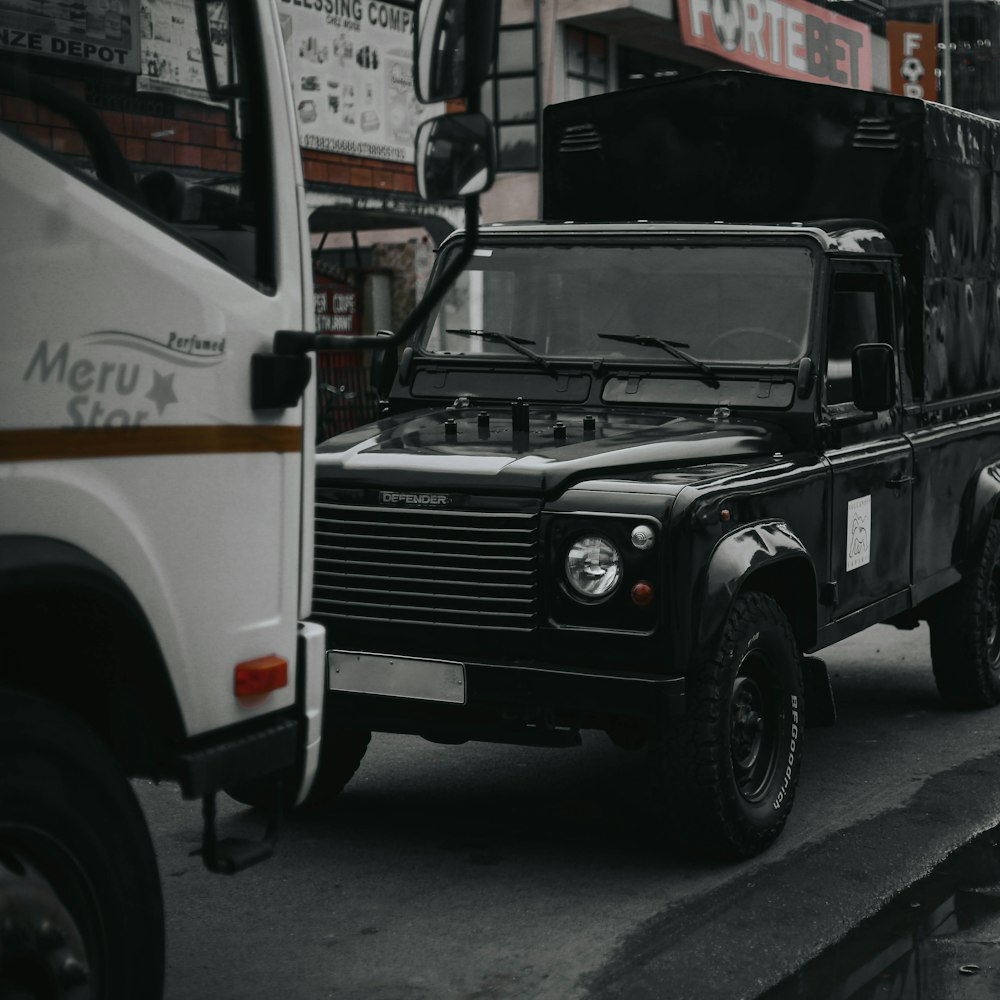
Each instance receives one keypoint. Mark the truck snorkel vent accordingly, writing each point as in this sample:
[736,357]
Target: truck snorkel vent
[875,133]
[580,139]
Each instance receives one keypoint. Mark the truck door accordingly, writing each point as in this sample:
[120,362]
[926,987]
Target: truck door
[145,258]
[871,462]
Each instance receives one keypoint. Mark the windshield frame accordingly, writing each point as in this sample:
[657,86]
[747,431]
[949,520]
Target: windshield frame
[644,358]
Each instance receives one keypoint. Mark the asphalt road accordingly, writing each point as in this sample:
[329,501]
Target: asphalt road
[484,871]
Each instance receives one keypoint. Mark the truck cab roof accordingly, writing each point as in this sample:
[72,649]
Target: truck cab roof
[856,236]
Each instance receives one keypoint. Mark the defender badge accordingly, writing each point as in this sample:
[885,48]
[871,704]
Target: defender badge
[414,499]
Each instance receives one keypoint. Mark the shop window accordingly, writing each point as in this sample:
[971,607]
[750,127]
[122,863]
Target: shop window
[510,98]
[586,63]
[200,170]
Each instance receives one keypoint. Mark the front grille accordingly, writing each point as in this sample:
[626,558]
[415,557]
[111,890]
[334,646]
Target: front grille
[426,567]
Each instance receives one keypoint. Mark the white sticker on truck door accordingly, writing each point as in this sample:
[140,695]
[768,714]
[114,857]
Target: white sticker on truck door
[859,532]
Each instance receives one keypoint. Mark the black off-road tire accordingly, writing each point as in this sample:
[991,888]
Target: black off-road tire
[81,911]
[341,753]
[965,633]
[727,771]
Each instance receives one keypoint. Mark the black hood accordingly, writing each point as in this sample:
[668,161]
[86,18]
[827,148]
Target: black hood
[460,448]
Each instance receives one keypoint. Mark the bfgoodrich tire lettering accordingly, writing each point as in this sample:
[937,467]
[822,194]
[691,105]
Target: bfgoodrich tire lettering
[729,770]
[81,912]
[965,633]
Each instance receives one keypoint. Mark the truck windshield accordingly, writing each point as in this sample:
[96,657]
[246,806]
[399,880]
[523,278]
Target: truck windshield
[720,304]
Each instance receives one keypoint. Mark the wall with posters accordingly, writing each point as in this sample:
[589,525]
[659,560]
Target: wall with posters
[351,64]
[151,92]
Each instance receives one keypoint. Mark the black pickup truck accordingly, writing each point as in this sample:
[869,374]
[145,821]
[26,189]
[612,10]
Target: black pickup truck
[638,464]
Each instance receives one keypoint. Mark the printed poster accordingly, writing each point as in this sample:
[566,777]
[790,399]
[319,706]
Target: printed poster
[97,32]
[859,532]
[171,49]
[351,65]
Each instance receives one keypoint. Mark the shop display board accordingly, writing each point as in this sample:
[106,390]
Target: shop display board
[351,64]
[171,51]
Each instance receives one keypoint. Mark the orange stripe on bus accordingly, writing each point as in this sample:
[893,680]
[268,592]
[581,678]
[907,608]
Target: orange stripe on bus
[41,444]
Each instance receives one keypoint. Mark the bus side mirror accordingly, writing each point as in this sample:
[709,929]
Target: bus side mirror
[456,156]
[454,47]
[873,382]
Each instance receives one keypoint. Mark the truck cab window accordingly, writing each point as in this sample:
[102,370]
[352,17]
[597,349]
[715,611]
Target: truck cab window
[154,142]
[727,304]
[857,316]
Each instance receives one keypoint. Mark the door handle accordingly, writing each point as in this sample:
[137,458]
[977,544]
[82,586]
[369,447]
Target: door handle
[899,482]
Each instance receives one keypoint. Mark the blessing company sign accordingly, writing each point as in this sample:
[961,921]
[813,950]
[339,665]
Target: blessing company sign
[788,38]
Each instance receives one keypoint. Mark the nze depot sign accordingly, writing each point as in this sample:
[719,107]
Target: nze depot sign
[98,32]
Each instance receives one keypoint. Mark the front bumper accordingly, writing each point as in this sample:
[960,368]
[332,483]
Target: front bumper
[505,702]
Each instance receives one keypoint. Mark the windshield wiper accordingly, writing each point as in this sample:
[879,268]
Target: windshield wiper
[673,348]
[514,343]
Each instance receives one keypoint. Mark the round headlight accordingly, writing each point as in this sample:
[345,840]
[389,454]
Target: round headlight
[593,566]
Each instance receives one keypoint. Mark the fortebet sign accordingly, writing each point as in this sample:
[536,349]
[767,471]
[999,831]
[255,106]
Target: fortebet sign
[912,59]
[788,38]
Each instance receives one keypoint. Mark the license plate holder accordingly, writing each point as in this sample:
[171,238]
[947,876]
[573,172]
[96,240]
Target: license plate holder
[396,676]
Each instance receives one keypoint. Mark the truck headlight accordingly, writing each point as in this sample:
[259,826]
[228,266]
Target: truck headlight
[593,567]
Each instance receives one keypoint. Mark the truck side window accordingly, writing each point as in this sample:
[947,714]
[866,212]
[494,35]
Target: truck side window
[154,144]
[857,308]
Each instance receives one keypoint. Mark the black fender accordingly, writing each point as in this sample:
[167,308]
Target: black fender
[766,557]
[74,633]
[981,508]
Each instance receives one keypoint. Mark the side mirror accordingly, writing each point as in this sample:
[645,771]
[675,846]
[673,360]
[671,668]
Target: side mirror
[873,381]
[454,47]
[456,156]
[385,364]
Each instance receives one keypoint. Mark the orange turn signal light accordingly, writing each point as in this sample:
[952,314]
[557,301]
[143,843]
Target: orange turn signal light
[642,594]
[266,673]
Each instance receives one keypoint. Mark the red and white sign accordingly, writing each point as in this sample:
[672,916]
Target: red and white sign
[336,306]
[912,59]
[788,38]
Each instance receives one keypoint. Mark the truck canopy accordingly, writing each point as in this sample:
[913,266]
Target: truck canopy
[743,147]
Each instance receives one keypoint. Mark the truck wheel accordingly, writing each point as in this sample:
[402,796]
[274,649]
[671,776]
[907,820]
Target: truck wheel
[341,753]
[81,913]
[965,633]
[728,770]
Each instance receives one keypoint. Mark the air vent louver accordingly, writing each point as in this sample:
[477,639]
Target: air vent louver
[580,139]
[875,133]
